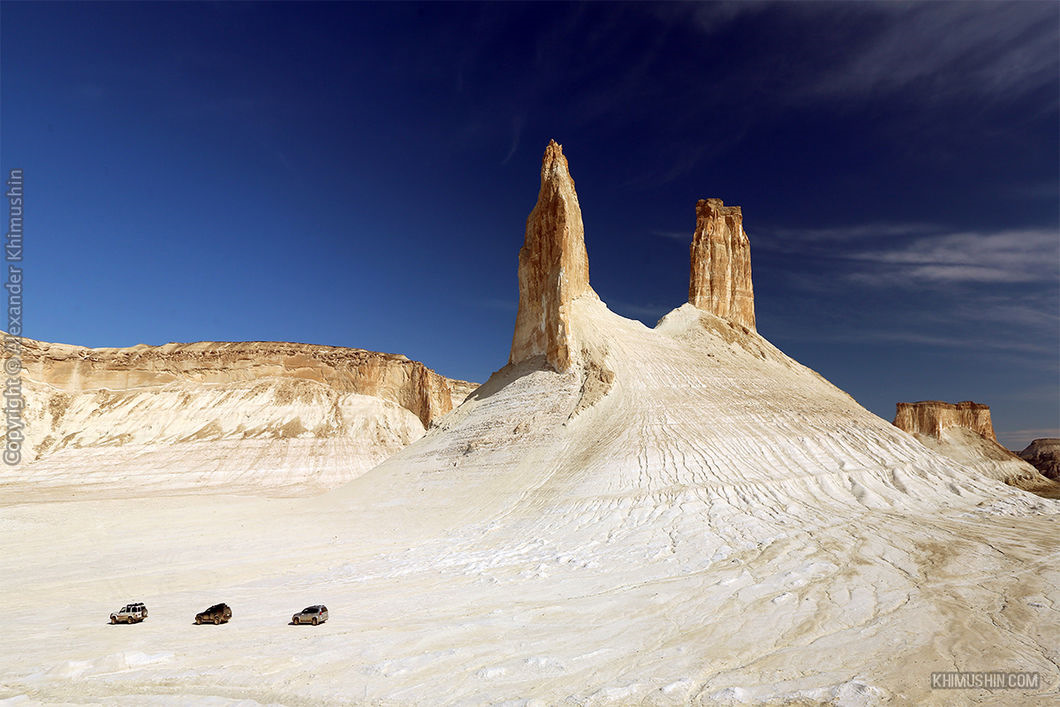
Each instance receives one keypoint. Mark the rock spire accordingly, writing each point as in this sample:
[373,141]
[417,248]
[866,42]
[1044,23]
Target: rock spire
[553,267]
[721,264]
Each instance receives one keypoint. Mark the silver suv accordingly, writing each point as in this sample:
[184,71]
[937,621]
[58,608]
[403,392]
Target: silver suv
[129,614]
[316,614]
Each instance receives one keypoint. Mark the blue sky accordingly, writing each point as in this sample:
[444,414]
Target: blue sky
[360,175]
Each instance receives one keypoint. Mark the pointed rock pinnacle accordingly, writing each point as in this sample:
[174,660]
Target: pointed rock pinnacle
[553,267]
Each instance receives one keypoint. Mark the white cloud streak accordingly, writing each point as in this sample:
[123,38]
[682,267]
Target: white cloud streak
[964,343]
[1025,255]
[859,232]
[1034,433]
[675,235]
[948,48]
[937,50]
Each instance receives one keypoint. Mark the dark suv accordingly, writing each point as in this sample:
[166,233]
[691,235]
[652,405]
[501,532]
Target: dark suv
[216,614]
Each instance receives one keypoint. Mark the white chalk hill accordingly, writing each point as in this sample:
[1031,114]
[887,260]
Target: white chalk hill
[701,407]
[698,517]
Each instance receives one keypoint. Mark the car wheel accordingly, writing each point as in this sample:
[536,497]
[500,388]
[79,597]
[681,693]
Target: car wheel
[114,619]
[217,621]
[315,621]
[198,621]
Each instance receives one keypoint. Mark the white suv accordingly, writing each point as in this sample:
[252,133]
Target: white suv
[129,614]
[316,614]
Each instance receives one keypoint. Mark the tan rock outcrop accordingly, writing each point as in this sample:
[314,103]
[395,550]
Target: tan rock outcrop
[721,264]
[931,417]
[392,377]
[553,267]
[1044,455]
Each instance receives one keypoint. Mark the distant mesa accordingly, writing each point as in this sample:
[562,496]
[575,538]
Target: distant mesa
[931,417]
[720,282]
[964,432]
[1044,455]
[553,267]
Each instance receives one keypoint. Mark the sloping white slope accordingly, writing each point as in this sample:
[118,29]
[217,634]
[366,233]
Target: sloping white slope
[695,405]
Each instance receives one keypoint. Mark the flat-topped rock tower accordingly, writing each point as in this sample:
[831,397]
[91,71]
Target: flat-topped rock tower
[721,264]
[931,417]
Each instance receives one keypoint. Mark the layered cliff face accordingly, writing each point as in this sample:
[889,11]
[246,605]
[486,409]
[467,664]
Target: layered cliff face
[931,417]
[553,268]
[721,264]
[1044,455]
[392,377]
[259,415]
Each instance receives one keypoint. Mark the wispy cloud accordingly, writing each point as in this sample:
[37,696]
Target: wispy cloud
[1041,190]
[946,48]
[785,239]
[935,50]
[1031,313]
[517,134]
[715,16]
[964,343]
[1034,433]
[922,254]
[674,235]
[982,342]
[799,237]
[1026,255]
